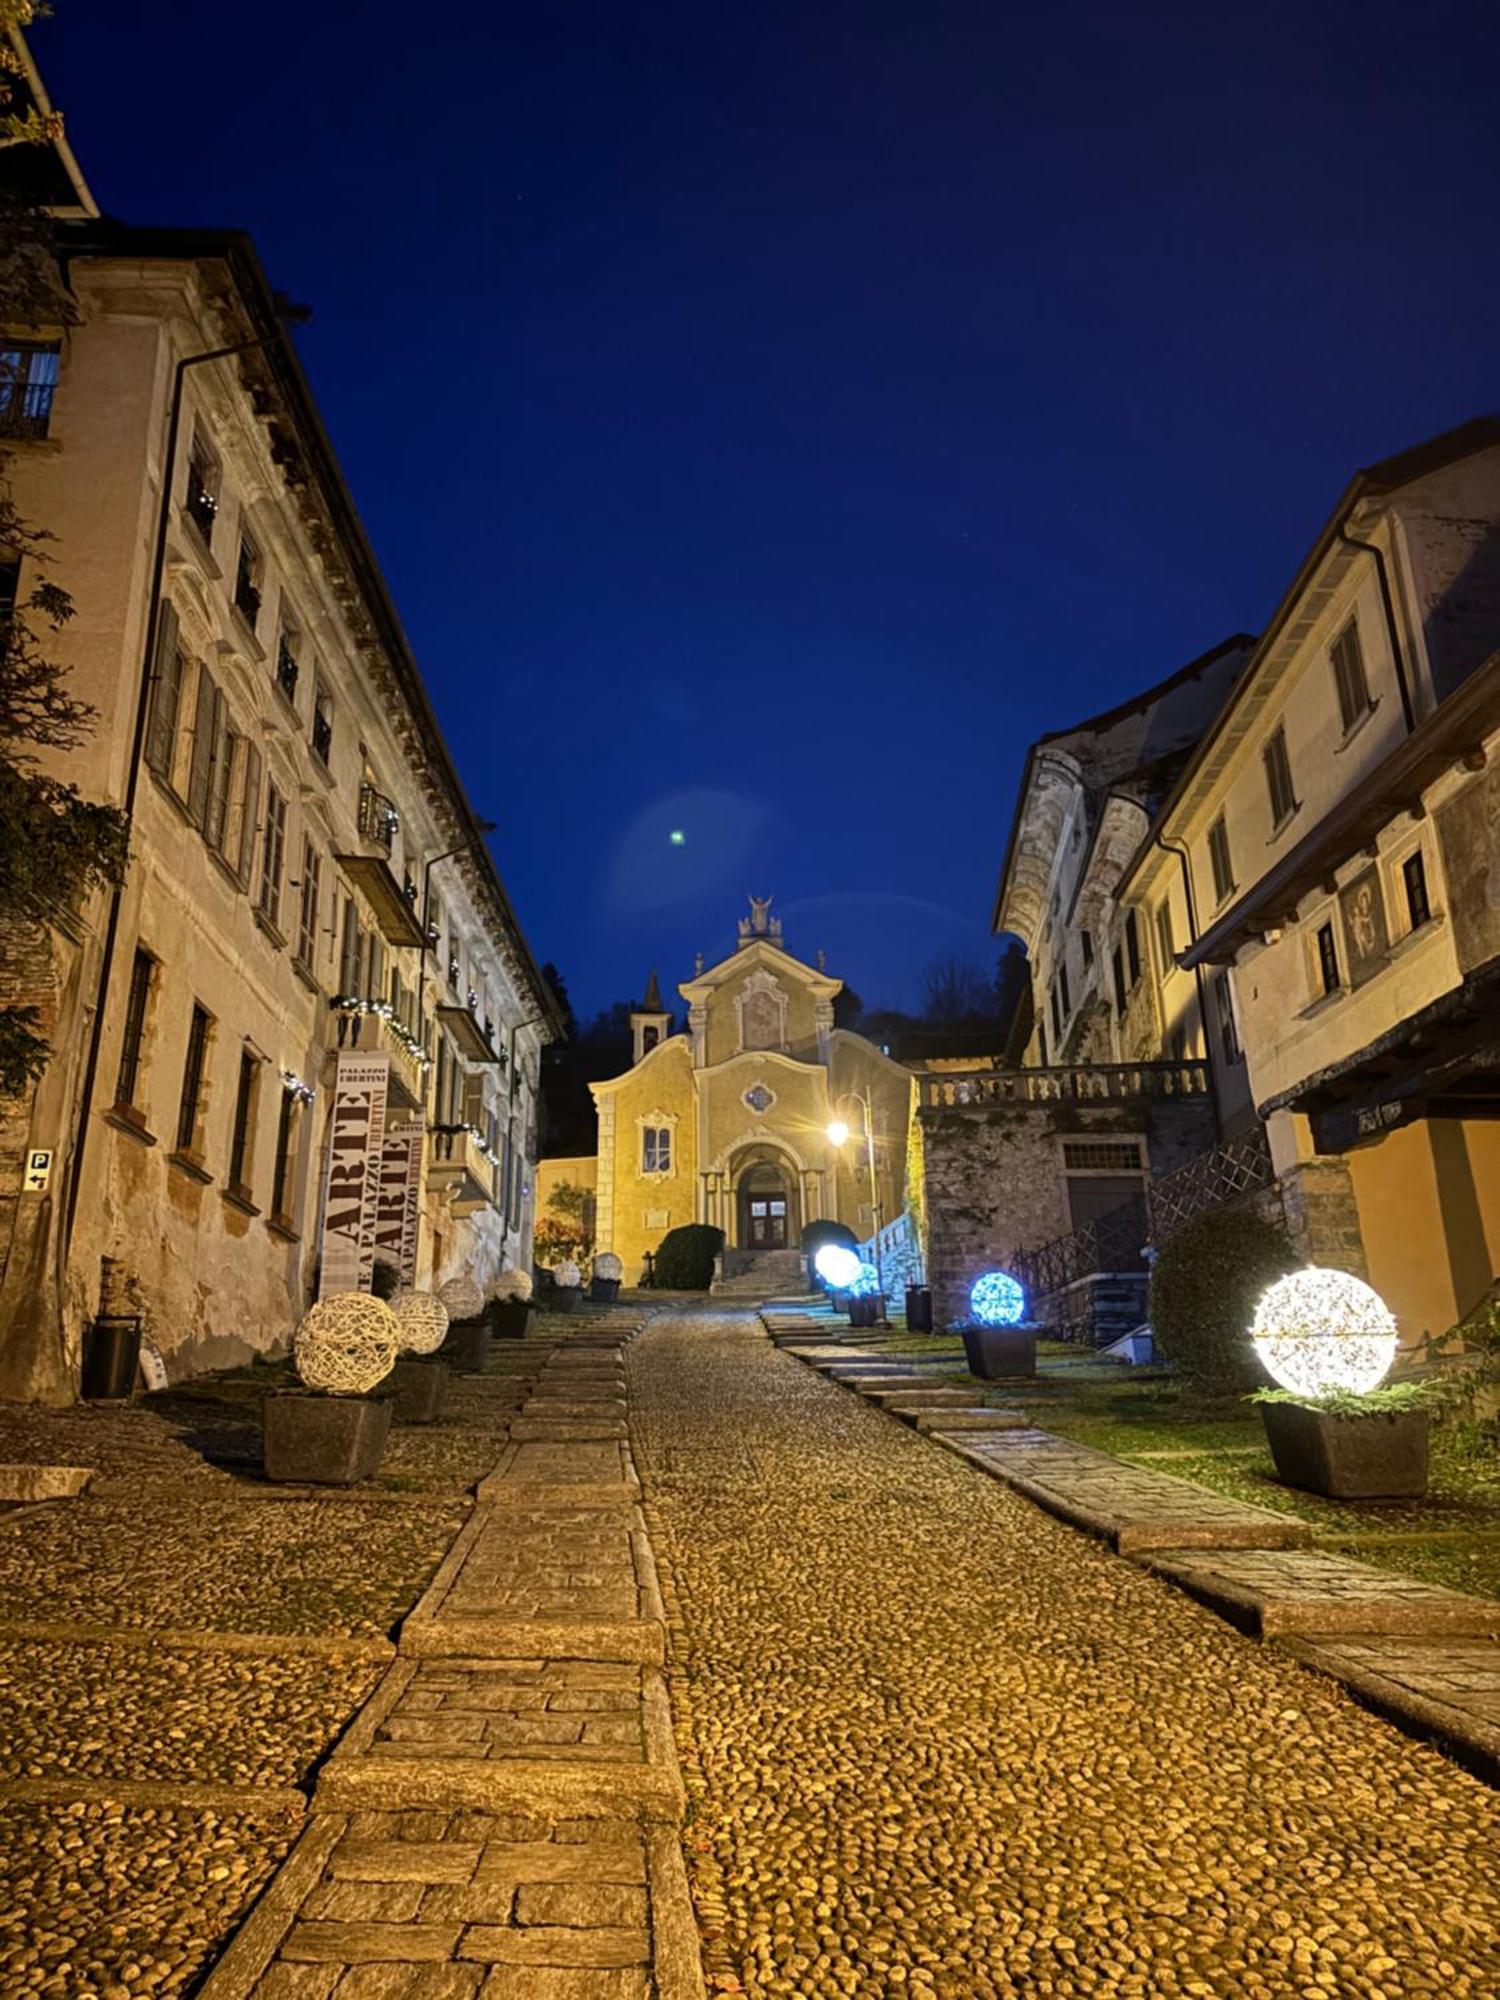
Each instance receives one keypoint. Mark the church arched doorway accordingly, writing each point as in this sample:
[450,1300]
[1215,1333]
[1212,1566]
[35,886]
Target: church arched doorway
[766,1207]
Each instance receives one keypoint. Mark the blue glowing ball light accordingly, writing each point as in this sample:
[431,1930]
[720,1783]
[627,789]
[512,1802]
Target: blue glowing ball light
[867,1284]
[838,1267]
[997,1299]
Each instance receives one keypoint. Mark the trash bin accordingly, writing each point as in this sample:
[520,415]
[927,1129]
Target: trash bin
[918,1309]
[111,1349]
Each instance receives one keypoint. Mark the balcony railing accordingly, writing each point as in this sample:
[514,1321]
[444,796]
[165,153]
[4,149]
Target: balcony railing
[379,820]
[202,507]
[1094,1083]
[369,1027]
[25,407]
[460,1164]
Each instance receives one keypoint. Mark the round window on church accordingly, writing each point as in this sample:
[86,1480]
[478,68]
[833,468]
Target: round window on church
[759,1098]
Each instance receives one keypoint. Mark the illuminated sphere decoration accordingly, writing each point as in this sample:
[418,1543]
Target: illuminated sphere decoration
[1320,1332]
[423,1321]
[566,1275]
[462,1297]
[997,1299]
[347,1343]
[512,1287]
[838,1267]
[607,1265]
[867,1284]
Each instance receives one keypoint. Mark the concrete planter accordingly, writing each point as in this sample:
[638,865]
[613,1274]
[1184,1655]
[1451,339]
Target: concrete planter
[421,1385]
[313,1440]
[1348,1458]
[467,1347]
[566,1298]
[510,1318]
[604,1291]
[1000,1353]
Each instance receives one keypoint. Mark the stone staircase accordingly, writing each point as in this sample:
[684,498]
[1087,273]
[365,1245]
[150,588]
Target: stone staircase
[754,1275]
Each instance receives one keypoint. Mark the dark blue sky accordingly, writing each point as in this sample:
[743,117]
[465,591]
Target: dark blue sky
[771,417]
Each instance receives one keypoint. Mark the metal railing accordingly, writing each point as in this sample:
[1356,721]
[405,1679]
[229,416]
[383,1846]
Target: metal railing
[1092,1083]
[1230,1174]
[25,407]
[378,817]
[1115,1241]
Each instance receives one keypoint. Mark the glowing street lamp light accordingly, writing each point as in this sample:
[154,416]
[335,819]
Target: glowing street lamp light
[838,1132]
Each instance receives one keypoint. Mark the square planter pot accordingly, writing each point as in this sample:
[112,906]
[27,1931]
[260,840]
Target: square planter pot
[1348,1458]
[421,1385]
[324,1440]
[467,1348]
[604,1291]
[566,1298]
[1000,1353]
[510,1318]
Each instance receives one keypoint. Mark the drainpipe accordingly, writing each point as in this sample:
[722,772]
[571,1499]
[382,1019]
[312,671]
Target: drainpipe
[510,1124]
[137,746]
[1185,864]
[1393,633]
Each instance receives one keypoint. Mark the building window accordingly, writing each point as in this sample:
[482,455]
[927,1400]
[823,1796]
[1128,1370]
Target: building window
[350,952]
[650,1036]
[1086,945]
[1166,944]
[190,1107]
[288,667]
[272,857]
[247,582]
[1279,778]
[1056,1015]
[1348,660]
[322,724]
[128,1081]
[656,1149]
[1133,947]
[1229,1034]
[1219,861]
[1064,990]
[28,381]
[286,1154]
[1414,880]
[244,1124]
[1119,972]
[210,735]
[307,907]
[249,807]
[201,501]
[222,756]
[1328,959]
[166,697]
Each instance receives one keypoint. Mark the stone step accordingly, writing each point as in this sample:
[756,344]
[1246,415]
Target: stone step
[568,1406]
[1128,1507]
[907,1399]
[977,1417]
[566,1430]
[1433,1687]
[1268,1592]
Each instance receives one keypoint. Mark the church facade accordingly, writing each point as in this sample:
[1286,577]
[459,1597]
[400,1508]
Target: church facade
[729,1123]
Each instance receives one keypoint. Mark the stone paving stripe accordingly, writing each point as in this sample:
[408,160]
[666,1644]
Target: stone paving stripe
[258,1939]
[561,1862]
[973,1417]
[360,1944]
[1132,1509]
[1267,1592]
[404,1860]
[907,1398]
[192,1641]
[155,1792]
[560,1948]
[565,1430]
[1443,1690]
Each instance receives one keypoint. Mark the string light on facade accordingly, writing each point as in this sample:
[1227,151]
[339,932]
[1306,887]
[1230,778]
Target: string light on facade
[997,1299]
[293,1085]
[401,1035]
[838,1266]
[1322,1332]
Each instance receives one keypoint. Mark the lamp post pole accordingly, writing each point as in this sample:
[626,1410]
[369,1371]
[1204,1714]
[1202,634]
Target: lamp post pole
[866,1104]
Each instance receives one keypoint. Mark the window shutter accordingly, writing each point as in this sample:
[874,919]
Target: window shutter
[249,813]
[166,693]
[221,767]
[201,769]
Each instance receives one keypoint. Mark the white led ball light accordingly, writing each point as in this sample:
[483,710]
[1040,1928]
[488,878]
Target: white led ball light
[997,1299]
[838,1267]
[607,1265]
[347,1344]
[1320,1332]
[462,1297]
[867,1284]
[422,1320]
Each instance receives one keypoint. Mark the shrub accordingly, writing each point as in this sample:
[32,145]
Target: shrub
[685,1257]
[1204,1289]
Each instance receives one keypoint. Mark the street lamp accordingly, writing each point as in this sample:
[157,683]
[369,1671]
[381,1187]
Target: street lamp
[838,1133]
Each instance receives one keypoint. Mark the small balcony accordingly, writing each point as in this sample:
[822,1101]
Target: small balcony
[471,1038]
[202,507]
[367,1028]
[1090,1083]
[379,821]
[460,1166]
[287,670]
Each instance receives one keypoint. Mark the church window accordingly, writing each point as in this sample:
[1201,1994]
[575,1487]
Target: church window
[656,1149]
[759,1098]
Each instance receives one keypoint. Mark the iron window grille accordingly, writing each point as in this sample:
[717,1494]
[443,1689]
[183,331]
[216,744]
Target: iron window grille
[129,1078]
[28,381]
[192,1079]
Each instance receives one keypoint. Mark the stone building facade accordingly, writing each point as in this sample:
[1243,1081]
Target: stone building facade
[729,1123]
[307,1033]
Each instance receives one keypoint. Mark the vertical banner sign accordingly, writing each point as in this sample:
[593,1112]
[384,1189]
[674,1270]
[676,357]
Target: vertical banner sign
[356,1136]
[400,1196]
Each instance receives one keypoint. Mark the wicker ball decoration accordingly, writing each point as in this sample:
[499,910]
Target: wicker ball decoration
[462,1297]
[512,1287]
[422,1319]
[347,1344]
[608,1265]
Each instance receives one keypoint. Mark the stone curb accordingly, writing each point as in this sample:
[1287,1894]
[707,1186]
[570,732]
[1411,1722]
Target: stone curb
[676,1958]
[44,1482]
[1467,1741]
[27,1631]
[1264,1615]
[259,1937]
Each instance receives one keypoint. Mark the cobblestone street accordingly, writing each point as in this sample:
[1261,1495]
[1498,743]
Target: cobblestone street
[936,1742]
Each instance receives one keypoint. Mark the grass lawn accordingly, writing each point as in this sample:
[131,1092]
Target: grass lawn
[1142,1415]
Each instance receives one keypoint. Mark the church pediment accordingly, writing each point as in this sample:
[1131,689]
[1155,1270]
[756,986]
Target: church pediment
[759,955]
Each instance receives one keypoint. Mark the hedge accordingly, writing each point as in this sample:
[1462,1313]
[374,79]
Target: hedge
[685,1257]
[1204,1288]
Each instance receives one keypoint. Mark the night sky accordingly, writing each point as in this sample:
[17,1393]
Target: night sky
[771,418]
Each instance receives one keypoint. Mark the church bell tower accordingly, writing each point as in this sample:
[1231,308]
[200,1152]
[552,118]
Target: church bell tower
[650,1023]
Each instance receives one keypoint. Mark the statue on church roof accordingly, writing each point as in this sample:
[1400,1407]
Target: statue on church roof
[760,923]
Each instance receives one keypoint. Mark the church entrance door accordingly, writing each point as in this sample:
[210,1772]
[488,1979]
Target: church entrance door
[763,1210]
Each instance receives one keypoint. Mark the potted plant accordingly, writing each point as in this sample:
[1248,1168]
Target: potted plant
[1334,1425]
[999,1341]
[567,1286]
[419,1377]
[332,1431]
[604,1286]
[510,1305]
[468,1346]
